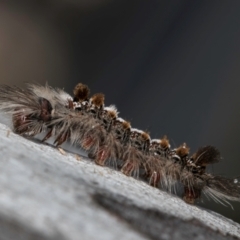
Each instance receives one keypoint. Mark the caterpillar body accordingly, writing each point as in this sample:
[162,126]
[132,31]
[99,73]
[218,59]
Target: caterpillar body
[86,122]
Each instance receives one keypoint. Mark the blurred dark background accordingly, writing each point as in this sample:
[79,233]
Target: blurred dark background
[171,67]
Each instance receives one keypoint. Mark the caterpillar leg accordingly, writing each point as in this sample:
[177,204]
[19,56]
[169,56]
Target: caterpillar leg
[191,194]
[47,136]
[62,138]
[102,156]
[129,168]
[155,179]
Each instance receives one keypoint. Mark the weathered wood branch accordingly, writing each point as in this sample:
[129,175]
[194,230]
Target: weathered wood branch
[45,194]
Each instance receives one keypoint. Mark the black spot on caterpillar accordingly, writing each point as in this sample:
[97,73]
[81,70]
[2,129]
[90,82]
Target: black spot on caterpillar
[86,122]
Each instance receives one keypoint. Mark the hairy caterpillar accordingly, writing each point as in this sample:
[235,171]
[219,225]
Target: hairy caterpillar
[88,123]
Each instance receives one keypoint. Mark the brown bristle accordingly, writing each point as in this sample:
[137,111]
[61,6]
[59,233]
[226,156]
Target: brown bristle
[183,150]
[112,114]
[126,125]
[81,92]
[164,142]
[206,155]
[98,99]
[193,157]
[145,136]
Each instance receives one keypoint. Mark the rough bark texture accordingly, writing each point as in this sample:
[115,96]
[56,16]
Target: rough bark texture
[45,194]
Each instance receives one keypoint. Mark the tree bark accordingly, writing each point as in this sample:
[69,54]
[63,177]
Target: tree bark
[50,194]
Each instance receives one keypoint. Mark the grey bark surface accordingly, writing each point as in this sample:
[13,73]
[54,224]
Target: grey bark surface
[45,194]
